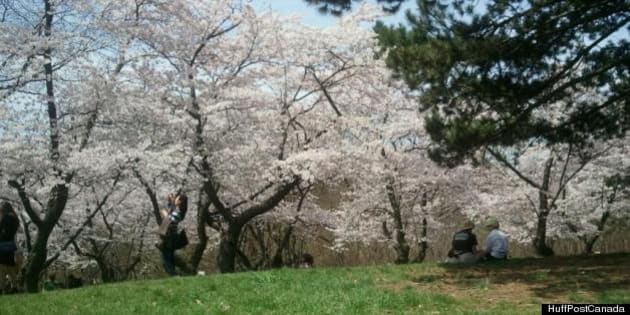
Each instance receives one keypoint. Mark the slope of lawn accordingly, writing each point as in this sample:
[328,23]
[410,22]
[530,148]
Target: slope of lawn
[516,286]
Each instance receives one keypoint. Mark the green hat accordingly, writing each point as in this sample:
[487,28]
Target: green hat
[492,222]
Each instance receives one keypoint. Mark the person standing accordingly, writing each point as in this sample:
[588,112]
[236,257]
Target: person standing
[9,225]
[175,213]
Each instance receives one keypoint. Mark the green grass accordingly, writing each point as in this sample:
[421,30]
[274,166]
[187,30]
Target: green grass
[517,286]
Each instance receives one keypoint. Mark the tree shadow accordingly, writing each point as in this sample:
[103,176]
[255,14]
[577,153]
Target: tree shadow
[545,278]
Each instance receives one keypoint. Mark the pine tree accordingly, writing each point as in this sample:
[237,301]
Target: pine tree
[492,73]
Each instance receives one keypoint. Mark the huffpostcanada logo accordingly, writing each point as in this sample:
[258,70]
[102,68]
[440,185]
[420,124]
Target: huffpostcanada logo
[583,308]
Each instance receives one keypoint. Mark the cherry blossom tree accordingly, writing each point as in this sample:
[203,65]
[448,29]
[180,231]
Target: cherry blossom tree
[49,115]
[394,193]
[532,189]
[239,109]
[597,197]
[240,103]
[114,237]
[278,238]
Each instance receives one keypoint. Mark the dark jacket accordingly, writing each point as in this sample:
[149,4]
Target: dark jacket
[168,229]
[9,224]
[464,241]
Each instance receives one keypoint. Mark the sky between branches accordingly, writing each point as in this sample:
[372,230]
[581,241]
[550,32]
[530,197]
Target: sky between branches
[310,16]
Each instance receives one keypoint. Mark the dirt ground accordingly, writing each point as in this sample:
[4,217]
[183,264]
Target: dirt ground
[528,281]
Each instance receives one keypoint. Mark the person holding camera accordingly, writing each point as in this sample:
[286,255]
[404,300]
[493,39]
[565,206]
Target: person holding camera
[171,239]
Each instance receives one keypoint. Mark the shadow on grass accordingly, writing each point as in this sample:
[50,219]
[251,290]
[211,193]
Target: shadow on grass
[545,277]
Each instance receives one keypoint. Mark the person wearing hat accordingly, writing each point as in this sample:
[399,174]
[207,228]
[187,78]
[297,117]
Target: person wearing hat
[496,245]
[464,245]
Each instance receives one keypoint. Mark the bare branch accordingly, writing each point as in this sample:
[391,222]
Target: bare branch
[513,169]
[26,203]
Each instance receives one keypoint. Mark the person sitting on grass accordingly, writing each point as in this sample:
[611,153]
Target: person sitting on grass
[464,245]
[496,245]
[307,261]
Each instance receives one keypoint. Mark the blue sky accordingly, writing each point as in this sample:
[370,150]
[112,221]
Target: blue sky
[310,15]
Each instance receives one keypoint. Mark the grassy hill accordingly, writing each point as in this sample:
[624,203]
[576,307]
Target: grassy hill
[516,286]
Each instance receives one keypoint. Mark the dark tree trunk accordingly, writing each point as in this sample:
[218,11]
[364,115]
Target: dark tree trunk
[228,248]
[277,261]
[401,246]
[203,215]
[58,196]
[540,239]
[422,244]
[108,274]
[36,263]
[589,243]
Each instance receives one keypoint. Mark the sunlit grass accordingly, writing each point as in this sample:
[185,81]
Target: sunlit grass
[517,286]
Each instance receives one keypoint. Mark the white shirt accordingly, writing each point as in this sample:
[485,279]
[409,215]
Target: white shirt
[497,244]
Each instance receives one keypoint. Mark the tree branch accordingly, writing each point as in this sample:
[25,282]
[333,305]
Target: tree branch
[268,204]
[513,169]
[26,203]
